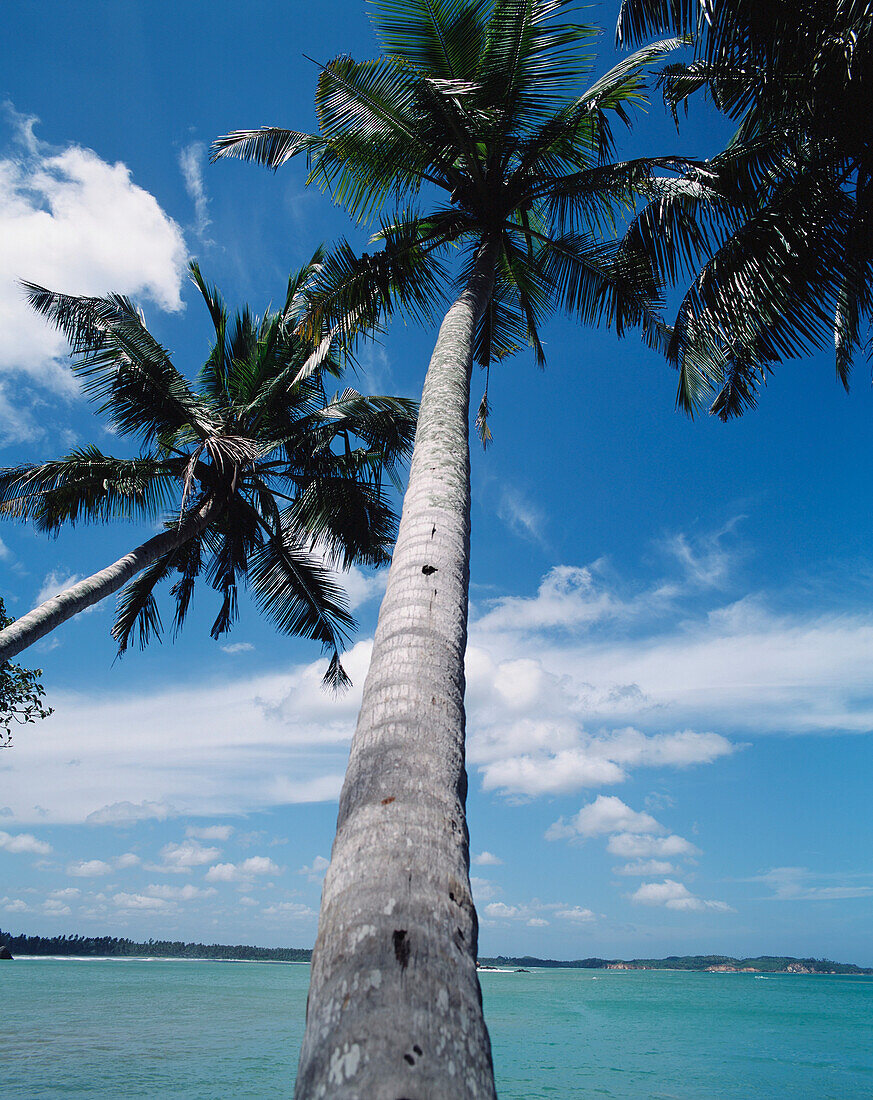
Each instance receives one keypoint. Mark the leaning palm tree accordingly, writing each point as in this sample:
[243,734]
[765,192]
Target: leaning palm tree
[261,476]
[777,230]
[476,108]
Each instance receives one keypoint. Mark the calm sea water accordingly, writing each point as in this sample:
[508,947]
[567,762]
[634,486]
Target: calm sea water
[208,1031]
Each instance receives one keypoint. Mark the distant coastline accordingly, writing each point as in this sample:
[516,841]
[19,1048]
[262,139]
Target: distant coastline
[717,964]
[77,946]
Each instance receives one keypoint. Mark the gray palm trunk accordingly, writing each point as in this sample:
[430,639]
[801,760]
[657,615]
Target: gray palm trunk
[395,1008]
[85,593]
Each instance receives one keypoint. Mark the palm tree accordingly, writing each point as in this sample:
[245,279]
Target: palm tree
[474,106]
[777,231]
[268,480]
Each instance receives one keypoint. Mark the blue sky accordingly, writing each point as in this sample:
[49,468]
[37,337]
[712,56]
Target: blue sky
[669,679]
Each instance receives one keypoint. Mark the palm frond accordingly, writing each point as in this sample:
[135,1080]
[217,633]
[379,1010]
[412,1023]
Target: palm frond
[123,366]
[269,145]
[88,486]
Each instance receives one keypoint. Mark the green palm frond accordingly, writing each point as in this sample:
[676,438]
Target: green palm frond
[124,368]
[137,615]
[444,38]
[300,595]
[88,486]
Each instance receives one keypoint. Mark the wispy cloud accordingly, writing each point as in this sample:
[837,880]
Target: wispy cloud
[191,160]
[801,884]
[521,515]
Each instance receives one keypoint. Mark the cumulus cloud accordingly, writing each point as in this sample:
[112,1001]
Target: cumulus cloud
[577,913]
[126,860]
[238,647]
[24,844]
[606,814]
[138,902]
[181,858]
[244,871]
[675,895]
[14,905]
[486,859]
[73,222]
[317,868]
[645,868]
[632,846]
[89,868]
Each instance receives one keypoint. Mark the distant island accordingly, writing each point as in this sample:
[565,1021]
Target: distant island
[111,946]
[719,964]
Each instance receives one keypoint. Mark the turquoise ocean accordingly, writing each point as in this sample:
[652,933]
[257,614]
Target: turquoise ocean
[209,1030]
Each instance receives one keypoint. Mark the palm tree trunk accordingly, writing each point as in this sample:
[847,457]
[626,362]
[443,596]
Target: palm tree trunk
[85,593]
[395,1008]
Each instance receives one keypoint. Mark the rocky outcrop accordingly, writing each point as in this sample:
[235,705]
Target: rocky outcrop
[5,953]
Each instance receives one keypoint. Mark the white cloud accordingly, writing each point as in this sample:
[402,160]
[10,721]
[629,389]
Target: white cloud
[258,742]
[238,647]
[55,582]
[316,870]
[606,814]
[521,515]
[182,857]
[247,901]
[127,859]
[560,772]
[191,159]
[89,868]
[645,868]
[577,913]
[179,893]
[128,813]
[14,905]
[138,902]
[66,893]
[499,910]
[486,859]
[209,832]
[483,889]
[56,908]
[674,895]
[292,909]
[631,846]
[23,843]
[242,872]
[72,222]
[800,884]
[568,596]
[537,922]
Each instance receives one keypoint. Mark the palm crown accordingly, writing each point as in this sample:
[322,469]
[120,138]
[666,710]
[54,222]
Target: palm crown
[778,229]
[478,100]
[270,480]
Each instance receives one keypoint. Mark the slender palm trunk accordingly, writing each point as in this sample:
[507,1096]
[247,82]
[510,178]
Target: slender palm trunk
[85,593]
[395,1009]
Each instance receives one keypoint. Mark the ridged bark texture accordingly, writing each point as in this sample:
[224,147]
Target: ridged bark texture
[395,1009]
[85,593]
